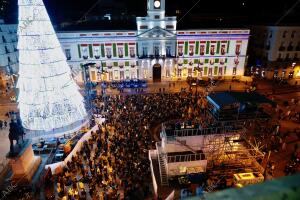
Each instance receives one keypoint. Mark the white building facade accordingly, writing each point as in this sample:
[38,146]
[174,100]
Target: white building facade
[157,50]
[278,49]
[9,57]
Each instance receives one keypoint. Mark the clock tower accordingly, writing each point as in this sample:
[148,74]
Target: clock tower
[156,8]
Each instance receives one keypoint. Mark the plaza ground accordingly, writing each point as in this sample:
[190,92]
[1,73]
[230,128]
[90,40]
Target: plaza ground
[282,94]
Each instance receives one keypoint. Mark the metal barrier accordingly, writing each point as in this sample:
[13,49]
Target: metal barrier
[186,158]
[198,132]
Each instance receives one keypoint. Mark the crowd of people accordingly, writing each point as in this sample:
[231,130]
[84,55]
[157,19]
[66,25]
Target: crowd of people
[114,163]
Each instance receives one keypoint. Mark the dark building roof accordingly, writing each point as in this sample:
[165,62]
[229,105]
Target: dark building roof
[229,98]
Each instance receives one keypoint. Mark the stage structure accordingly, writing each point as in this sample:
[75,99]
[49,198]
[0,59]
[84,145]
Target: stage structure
[49,100]
[219,150]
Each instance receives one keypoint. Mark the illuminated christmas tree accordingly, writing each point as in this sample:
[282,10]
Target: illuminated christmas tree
[48,96]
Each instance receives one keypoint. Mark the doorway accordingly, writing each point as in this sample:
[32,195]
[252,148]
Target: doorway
[156,73]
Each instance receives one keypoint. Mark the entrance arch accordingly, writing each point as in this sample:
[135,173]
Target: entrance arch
[156,72]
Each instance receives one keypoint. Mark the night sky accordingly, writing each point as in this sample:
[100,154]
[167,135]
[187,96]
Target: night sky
[205,13]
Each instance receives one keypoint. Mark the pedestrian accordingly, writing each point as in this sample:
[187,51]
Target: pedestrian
[229,87]
[1,124]
[5,124]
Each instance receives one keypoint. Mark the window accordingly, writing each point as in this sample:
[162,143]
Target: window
[168,72]
[220,73]
[122,75]
[202,47]
[238,49]
[169,27]
[68,54]
[268,46]
[287,57]
[190,72]
[145,51]
[212,50]
[108,52]
[210,71]
[298,47]
[8,59]
[191,50]
[97,52]
[120,52]
[290,47]
[284,34]
[296,57]
[6,49]
[143,27]
[156,50]
[132,52]
[270,34]
[156,17]
[282,47]
[168,51]
[145,73]
[3,39]
[279,57]
[179,72]
[234,71]
[84,52]
[223,47]
[180,50]
[293,34]
[110,75]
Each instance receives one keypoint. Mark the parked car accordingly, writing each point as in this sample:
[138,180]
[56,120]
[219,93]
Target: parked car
[114,84]
[104,84]
[143,84]
[127,83]
[135,83]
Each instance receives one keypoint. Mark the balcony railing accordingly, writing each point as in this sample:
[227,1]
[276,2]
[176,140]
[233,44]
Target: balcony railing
[186,158]
[281,48]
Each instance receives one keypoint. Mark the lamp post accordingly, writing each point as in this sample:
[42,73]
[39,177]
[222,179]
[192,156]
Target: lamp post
[100,72]
[88,85]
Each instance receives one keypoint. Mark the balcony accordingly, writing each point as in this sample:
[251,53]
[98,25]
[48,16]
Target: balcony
[298,48]
[180,53]
[290,48]
[121,56]
[202,53]
[69,57]
[212,53]
[191,53]
[108,56]
[237,53]
[97,57]
[85,57]
[132,55]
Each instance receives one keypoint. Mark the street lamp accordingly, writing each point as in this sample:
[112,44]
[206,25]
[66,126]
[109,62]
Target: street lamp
[87,84]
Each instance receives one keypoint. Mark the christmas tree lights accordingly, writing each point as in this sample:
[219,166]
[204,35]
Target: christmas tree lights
[48,96]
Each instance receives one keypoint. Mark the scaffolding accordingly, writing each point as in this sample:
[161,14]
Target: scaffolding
[225,148]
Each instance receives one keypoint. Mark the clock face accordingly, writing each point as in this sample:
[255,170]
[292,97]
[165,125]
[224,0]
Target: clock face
[156,4]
